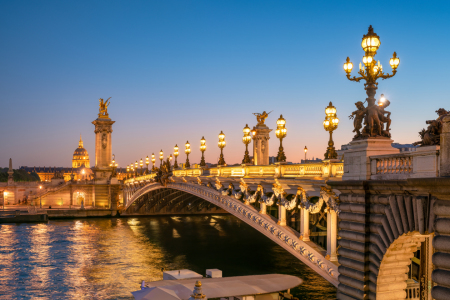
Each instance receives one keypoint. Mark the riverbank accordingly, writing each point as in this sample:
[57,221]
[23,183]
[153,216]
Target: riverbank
[21,214]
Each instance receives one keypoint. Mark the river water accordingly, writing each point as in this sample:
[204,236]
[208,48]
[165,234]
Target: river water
[108,258]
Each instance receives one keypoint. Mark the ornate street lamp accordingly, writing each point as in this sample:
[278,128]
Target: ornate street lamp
[153,161]
[136,167]
[187,151]
[246,139]
[370,71]
[175,153]
[203,148]
[222,145]
[281,134]
[306,150]
[147,161]
[330,124]
[141,164]
[132,169]
[161,157]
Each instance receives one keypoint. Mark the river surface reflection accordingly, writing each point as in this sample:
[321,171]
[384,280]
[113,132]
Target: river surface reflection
[108,258]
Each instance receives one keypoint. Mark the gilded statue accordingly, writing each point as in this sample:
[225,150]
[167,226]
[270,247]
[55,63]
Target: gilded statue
[103,107]
[261,118]
[432,135]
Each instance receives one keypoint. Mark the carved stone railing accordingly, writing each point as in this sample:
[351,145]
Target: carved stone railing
[424,162]
[325,169]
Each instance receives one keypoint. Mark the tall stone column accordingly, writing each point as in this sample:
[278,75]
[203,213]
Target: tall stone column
[444,152]
[304,224]
[103,148]
[261,145]
[331,235]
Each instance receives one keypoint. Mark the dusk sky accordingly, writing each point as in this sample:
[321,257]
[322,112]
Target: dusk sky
[180,70]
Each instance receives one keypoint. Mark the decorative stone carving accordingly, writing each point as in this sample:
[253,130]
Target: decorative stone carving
[330,199]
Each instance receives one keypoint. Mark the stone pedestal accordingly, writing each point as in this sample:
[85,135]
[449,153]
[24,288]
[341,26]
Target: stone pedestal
[445,148]
[261,145]
[103,149]
[357,161]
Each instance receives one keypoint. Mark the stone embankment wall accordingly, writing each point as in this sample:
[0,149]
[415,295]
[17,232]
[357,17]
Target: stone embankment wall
[381,224]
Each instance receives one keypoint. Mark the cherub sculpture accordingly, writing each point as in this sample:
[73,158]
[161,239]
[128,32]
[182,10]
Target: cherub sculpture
[358,116]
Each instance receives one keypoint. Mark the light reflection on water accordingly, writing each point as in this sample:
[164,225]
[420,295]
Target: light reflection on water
[107,258]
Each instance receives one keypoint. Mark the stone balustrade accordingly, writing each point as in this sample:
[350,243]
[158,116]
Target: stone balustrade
[416,164]
[325,169]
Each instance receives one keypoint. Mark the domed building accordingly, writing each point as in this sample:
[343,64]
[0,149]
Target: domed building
[80,156]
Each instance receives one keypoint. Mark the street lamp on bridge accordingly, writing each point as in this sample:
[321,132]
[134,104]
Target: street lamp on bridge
[187,151]
[221,145]
[141,164]
[128,171]
[370,71]
[147,161]
[306,150]
[161,157]
[281,134]
[330,124]
[175,153]
[153,161]
[203,148]
[246,139]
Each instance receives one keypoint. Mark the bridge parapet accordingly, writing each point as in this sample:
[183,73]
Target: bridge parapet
[422,163]
[323,170]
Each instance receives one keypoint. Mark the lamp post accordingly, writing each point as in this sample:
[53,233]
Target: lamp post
[221,145]
[306,150]
[175,153]
[153,161]
[147,161]
[187,151]
[40,196]
[281,134]
[330,124]
[203,148]
[370,71]
[132,170]
[141,163]
[161,157]
[246,139]
[136,168]
[128,171]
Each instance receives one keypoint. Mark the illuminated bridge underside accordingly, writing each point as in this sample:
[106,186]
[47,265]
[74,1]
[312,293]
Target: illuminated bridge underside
[182,194]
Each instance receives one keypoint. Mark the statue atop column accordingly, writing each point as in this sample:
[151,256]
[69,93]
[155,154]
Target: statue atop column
[432,135]
[261,118]
[103,108]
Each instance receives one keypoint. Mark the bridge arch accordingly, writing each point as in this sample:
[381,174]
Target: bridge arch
[267,225]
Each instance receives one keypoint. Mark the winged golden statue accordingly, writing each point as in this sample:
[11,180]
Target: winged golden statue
[103,107]
[261,118]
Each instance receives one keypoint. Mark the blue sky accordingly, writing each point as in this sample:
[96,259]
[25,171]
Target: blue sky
[180,70]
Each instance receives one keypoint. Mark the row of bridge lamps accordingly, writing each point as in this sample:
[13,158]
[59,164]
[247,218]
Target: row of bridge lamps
[330,124]
[370,72]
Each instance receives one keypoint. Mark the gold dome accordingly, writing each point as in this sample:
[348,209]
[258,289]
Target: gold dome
[80,156]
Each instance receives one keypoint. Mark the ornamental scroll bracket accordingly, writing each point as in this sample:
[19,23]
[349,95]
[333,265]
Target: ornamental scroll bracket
[330,198]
